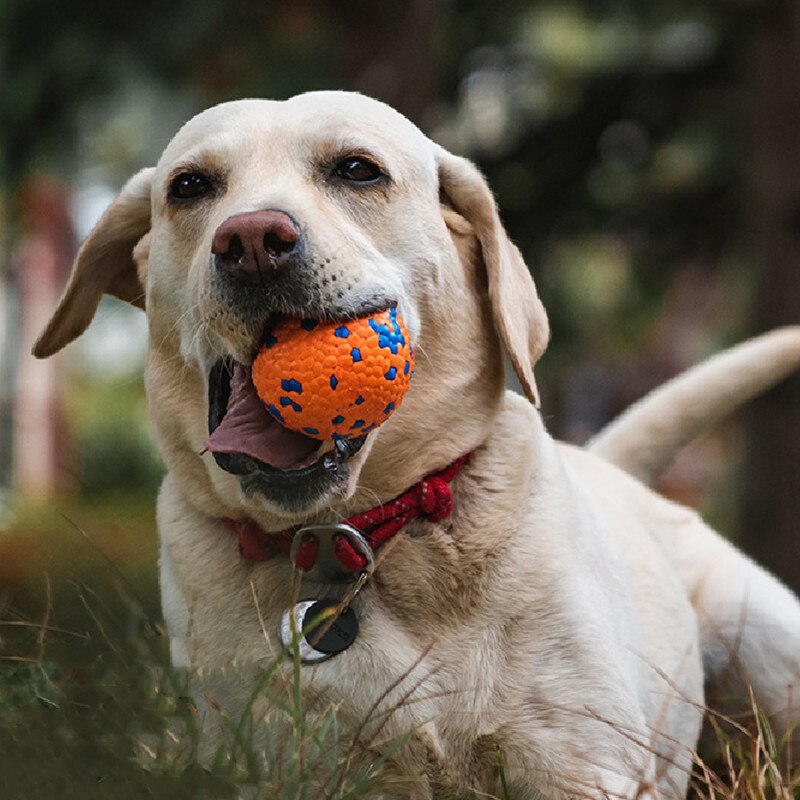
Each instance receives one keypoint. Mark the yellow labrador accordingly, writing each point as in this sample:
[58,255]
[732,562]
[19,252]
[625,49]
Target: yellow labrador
[563,612]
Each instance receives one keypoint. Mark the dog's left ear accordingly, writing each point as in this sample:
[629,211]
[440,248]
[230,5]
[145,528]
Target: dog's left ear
[104,265]
[518,313]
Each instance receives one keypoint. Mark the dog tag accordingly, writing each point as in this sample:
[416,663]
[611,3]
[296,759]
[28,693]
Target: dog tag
[327,637]
[314,553]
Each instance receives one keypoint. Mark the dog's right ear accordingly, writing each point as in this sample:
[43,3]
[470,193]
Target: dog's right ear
[518,312]
[104,265]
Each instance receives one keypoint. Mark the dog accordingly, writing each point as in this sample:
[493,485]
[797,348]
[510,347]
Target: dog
[561,614]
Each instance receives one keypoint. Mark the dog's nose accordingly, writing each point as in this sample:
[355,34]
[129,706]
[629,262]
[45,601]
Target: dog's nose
[248,246]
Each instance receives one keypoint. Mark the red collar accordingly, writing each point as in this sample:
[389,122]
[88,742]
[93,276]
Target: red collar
[431,498]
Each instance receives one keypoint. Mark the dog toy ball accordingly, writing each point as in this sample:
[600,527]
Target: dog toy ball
[335,380]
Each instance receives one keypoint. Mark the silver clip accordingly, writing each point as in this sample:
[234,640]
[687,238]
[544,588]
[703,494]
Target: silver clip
[326,567]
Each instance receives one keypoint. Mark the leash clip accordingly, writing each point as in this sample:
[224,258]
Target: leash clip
[332,553]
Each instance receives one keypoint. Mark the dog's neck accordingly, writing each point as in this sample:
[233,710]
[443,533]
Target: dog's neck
[357,537]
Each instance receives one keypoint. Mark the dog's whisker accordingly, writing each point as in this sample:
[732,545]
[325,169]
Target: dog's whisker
[193,308]
[367,492]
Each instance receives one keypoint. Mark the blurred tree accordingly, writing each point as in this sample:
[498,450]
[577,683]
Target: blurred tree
[617,164]
[389,54]
[771,509]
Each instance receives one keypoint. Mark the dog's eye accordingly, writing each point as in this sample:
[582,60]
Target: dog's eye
[189,186]
[358,170]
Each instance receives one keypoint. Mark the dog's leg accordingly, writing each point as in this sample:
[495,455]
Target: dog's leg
[589,782]
[173,603]
[176,612]
[604,753]
[749,621]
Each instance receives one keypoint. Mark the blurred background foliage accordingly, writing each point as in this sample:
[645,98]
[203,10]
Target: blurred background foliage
[644,155]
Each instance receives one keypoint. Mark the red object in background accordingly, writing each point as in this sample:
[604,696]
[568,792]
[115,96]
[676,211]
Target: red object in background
[42,263]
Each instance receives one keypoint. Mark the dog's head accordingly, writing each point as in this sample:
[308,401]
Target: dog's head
[329,205]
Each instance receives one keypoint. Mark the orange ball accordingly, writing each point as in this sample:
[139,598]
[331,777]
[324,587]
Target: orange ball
[335,380]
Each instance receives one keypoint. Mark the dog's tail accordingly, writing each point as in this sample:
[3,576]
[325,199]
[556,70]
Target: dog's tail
[645,438]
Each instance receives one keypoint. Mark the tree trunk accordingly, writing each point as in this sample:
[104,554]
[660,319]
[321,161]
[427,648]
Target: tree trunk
[771,514]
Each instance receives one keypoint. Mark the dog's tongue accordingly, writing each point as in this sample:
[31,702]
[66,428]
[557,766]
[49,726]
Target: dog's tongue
[248,428]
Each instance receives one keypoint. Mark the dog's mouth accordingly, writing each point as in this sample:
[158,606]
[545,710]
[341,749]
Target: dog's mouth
[288,469]
[244,438]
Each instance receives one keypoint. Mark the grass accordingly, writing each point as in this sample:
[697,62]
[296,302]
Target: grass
[744,763]
[90,707]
